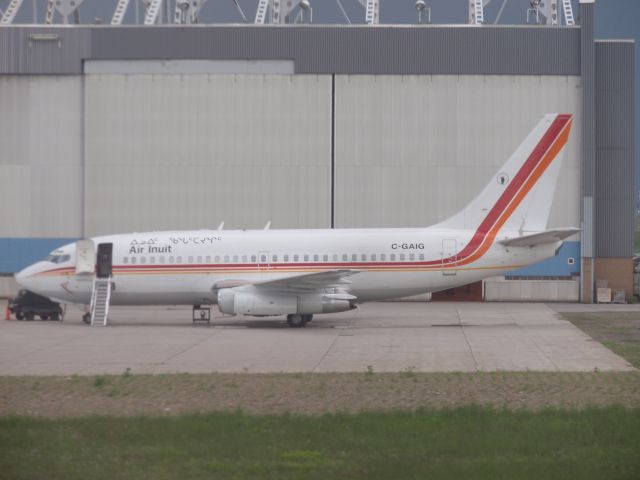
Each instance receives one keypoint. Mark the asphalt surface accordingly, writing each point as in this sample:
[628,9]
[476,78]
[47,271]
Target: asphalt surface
[384,337]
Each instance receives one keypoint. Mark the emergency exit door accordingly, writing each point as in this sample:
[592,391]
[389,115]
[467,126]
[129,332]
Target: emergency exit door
[104,261]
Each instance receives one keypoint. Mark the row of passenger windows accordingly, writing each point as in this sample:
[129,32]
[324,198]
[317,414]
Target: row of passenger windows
[263,258]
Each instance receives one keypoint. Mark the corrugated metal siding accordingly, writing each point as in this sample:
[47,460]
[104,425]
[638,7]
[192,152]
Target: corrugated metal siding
[40,156]
[615,185]
[587,68]
[43,50]
[518,50]
[414,150]
[360,49]
[188,151]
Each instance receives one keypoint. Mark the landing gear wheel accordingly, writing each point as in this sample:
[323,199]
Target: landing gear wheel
[44,317]
[29,316]
[19,316]
[307,318]
[296,321]
[55,316]
[86,318]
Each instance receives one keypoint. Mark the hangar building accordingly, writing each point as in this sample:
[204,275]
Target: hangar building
[107,129]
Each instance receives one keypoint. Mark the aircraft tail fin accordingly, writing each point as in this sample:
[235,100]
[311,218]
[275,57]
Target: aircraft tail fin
[519,196]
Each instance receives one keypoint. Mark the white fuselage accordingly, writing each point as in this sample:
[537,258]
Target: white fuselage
[189,267]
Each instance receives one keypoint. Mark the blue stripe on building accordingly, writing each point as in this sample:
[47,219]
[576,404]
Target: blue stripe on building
[565,264]
[18,253]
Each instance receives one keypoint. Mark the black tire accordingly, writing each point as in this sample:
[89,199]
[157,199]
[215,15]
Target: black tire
[44,317]
[296,321]
[55,316]
[19,316]
[29,316]
[307,318]
[86,318]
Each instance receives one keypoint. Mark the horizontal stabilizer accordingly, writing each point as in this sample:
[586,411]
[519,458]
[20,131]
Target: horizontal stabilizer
[548,236]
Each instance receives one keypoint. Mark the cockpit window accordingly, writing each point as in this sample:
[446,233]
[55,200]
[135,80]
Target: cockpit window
[57,258]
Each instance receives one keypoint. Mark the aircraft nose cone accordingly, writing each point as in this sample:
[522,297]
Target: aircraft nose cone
[24,278]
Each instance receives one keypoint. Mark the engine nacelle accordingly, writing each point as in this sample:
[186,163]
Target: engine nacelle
[249,303]
[234,302]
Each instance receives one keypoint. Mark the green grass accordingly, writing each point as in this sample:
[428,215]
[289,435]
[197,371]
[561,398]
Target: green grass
[618,331]
[470,442]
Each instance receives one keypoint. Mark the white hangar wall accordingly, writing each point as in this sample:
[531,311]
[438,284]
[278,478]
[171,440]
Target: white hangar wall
[100,153]
[188,151]
[40,156]
[413,150]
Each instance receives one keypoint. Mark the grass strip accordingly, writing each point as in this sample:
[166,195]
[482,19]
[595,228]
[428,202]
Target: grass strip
[470,442]
[618,331]
[311,394]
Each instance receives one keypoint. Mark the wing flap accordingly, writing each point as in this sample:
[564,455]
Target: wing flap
[548,236]
[309,281]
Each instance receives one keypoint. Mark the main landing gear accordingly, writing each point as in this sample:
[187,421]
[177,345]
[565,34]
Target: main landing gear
[298,321]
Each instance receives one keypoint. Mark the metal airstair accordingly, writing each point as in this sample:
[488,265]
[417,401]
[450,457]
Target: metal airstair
[100,298]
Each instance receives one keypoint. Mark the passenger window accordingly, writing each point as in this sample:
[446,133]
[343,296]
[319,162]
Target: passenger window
[306,258]
[244,259]
[286,258]
[412,256]
[208,259]
[363,257]
[345,257]
[190,259]
[199,259]
[235,259]
[217,259]
[152,259]
[392,257]
[373,257]
[422,256]
[354,257]
[125,260]
[263,258]
[143,259]
[296,258]
[335,257]
[274,258]
[325,258]
[179,259]
[171,259]
[402,257]
[133,260]
[253,258]
[226,259]
[162,260]
[383,257]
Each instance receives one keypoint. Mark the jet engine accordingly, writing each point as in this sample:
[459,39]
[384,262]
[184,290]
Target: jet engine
[238,302]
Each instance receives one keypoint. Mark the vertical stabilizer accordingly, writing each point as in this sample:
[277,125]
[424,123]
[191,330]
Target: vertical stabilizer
[518,197]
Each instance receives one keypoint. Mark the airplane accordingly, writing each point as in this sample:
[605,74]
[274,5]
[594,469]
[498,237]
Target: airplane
[301,273]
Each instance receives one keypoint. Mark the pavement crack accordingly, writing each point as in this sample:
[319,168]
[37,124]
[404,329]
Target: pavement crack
[464,335]
[324,355]
[184,350]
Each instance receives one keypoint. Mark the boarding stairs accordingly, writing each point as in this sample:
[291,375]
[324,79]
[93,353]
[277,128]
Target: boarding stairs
[100,299]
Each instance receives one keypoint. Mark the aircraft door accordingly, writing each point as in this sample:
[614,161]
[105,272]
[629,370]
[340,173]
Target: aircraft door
[85,257]
[449,256]
[263,261]
[105,260]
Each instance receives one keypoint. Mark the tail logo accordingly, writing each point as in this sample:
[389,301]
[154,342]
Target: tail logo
[502,178]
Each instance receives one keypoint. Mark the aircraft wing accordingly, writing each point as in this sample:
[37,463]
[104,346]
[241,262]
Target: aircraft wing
[538,238]
[309,281]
